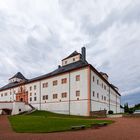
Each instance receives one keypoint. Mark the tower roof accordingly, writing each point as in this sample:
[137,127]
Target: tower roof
[18,75]
[71,55]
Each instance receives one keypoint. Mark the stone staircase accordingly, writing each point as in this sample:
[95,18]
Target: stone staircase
[30,111]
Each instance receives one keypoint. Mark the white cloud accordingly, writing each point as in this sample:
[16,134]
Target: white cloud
[36,34]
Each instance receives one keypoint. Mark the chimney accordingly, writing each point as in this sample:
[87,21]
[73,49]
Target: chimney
[83,51]
[59,66]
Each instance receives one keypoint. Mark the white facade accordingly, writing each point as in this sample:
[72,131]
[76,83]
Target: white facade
[77,91]
[15,107]
[103,96]
[69,105]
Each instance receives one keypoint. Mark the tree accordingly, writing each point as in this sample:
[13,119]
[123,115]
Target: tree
[137,106]
[126,108]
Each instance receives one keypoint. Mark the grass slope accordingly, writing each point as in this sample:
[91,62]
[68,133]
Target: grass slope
[43,121]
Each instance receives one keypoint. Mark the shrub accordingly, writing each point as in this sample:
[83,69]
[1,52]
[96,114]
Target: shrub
[110,112]
[131,111]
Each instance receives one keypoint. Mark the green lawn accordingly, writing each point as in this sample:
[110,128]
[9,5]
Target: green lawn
[43,121]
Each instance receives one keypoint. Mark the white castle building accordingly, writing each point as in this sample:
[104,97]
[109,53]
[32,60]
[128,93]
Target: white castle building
[75,88]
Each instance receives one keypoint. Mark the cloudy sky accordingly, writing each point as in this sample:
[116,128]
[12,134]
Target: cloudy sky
[36,34]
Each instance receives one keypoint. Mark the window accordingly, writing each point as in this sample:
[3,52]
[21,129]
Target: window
[97,95]
[54,96]
[93,93]
[55,83]
[64,95]
[5,94]
[104,87]
[65,62]
[45,97]
[34,98]
[77,77]
[30,88]
[45,85]
[97,82]
[104,98]
[63,81]
[34,87]
[34,93]
[1,95]
[93,78]
[77,93]
[30,99]
[31,94]
[73,59]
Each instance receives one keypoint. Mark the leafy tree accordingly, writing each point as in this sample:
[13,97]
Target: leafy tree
[137,106]
[132,109]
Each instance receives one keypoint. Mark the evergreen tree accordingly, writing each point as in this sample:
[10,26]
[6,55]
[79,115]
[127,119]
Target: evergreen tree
[126,108]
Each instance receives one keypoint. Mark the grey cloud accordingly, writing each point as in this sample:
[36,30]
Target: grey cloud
[35,38]
[132,99]
[127,15]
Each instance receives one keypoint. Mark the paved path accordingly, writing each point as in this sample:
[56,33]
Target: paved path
[5,125]
[122,129]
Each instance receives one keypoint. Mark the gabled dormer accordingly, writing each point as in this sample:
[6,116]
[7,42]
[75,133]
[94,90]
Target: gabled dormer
[74,57]
[17,78]
[104,75]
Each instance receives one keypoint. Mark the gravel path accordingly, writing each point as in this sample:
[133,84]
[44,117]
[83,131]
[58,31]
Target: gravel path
[122,129]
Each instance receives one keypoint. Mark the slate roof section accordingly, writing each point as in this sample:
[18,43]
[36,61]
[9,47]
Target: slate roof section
[113,86]
[72,55]
[10,85]
[18,75]
[60,70]
[63,69]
